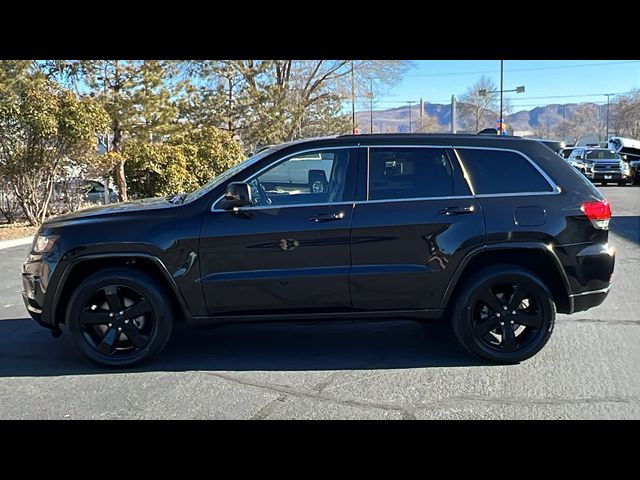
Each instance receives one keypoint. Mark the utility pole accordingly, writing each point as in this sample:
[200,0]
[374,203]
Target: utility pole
[421,115]
[229,119]
[453,114]
[563,123]
[371,106]
[353,100]
[608,95]
[410,102]
[501,91]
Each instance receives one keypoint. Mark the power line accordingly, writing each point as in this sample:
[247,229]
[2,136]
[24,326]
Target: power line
[531,69]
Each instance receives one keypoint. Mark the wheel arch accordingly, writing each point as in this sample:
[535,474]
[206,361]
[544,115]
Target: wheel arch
[535,257]
[84,266]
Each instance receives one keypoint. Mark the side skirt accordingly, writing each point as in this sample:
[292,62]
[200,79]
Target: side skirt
[425,314]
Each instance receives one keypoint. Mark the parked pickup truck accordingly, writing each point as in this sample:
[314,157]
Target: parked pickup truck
[600,165]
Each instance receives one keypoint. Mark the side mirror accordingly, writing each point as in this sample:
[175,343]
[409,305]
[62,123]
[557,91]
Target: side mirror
[238,195]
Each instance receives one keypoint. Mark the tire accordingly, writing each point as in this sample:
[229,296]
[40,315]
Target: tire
[317,182]
[622,183]
[472,317]
[120,298]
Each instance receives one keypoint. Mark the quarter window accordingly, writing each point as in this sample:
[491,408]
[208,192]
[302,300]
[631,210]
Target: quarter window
[496,171]
[409,173]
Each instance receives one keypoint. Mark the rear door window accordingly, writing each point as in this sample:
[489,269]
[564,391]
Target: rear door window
[499,171]
[396,173]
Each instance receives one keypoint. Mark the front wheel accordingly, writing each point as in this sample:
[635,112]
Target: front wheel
[119,317]
[504,314]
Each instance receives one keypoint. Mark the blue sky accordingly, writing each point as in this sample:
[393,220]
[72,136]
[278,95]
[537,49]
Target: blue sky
[570,80]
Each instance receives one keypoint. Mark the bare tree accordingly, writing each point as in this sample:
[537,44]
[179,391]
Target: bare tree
[585,120]
[426,124]
[477,109]
[625,115]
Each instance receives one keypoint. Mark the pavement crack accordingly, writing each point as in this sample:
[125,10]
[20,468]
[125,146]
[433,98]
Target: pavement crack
[368,377]
[632,322]
[318,396]
[268,408]
[321,386]
[407,412]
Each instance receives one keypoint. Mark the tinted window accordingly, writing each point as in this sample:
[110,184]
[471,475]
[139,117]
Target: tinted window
[409,173]
[602,155]
[494,171]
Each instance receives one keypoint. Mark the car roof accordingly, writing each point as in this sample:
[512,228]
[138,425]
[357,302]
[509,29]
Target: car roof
[406,138]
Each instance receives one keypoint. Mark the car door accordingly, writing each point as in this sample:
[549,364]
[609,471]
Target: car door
[418,220]
[289,251]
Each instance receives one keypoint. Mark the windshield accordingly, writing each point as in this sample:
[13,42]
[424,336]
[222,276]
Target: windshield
[602,155]
[224,176]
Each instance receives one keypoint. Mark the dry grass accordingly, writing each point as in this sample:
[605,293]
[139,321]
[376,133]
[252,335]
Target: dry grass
[16,230]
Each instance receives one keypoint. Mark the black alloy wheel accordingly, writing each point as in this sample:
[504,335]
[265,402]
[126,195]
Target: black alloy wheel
[504,314]
[120,317]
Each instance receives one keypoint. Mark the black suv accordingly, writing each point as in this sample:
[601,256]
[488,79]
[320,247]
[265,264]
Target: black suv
[493,233]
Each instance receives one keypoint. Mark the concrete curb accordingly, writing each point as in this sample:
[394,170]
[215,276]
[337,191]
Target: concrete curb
[16,242]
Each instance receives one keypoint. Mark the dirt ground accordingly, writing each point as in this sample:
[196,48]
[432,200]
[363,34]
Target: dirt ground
[16,230]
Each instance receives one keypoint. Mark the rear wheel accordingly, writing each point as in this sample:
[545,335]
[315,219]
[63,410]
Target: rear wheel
[120,317]
[504,314]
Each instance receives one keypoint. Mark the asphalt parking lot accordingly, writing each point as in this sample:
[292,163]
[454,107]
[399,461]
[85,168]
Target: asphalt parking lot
[388,370]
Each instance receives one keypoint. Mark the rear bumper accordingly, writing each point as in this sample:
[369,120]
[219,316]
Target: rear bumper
[586,300]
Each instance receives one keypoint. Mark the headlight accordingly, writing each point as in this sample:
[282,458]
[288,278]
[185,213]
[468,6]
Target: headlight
[44,243]
[625,167]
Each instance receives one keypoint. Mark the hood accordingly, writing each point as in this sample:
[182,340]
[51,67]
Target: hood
[114,208]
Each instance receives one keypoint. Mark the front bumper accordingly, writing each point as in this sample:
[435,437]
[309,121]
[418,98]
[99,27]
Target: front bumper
[611,176]
[586,300]
[35,276]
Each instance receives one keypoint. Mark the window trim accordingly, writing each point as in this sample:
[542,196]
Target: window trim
[282,160]
[555,189]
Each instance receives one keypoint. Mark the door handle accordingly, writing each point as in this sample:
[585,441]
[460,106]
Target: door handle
[326,217]
[457,210]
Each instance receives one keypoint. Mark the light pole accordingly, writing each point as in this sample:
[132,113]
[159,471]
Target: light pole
[501,90]
[608,95]
[371,106]
[353,100]
[410,102]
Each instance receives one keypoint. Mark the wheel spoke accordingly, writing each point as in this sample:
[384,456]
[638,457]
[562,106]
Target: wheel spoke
[140,308]
[508,338]
[134,336]
[519,294]
[533,320]
[485,327]
[491,300]
[113,298]
[94,317]
[108,342]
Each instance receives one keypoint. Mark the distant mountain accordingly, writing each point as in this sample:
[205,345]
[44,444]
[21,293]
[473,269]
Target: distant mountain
[397,119]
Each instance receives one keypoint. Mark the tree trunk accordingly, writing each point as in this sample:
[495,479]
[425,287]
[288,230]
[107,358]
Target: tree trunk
[121,181]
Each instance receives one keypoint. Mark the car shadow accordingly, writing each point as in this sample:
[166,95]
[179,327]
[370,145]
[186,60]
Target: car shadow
[627,227]
[29,350]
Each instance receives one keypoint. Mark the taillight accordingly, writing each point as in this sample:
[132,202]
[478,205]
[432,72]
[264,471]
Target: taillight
[598,212]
